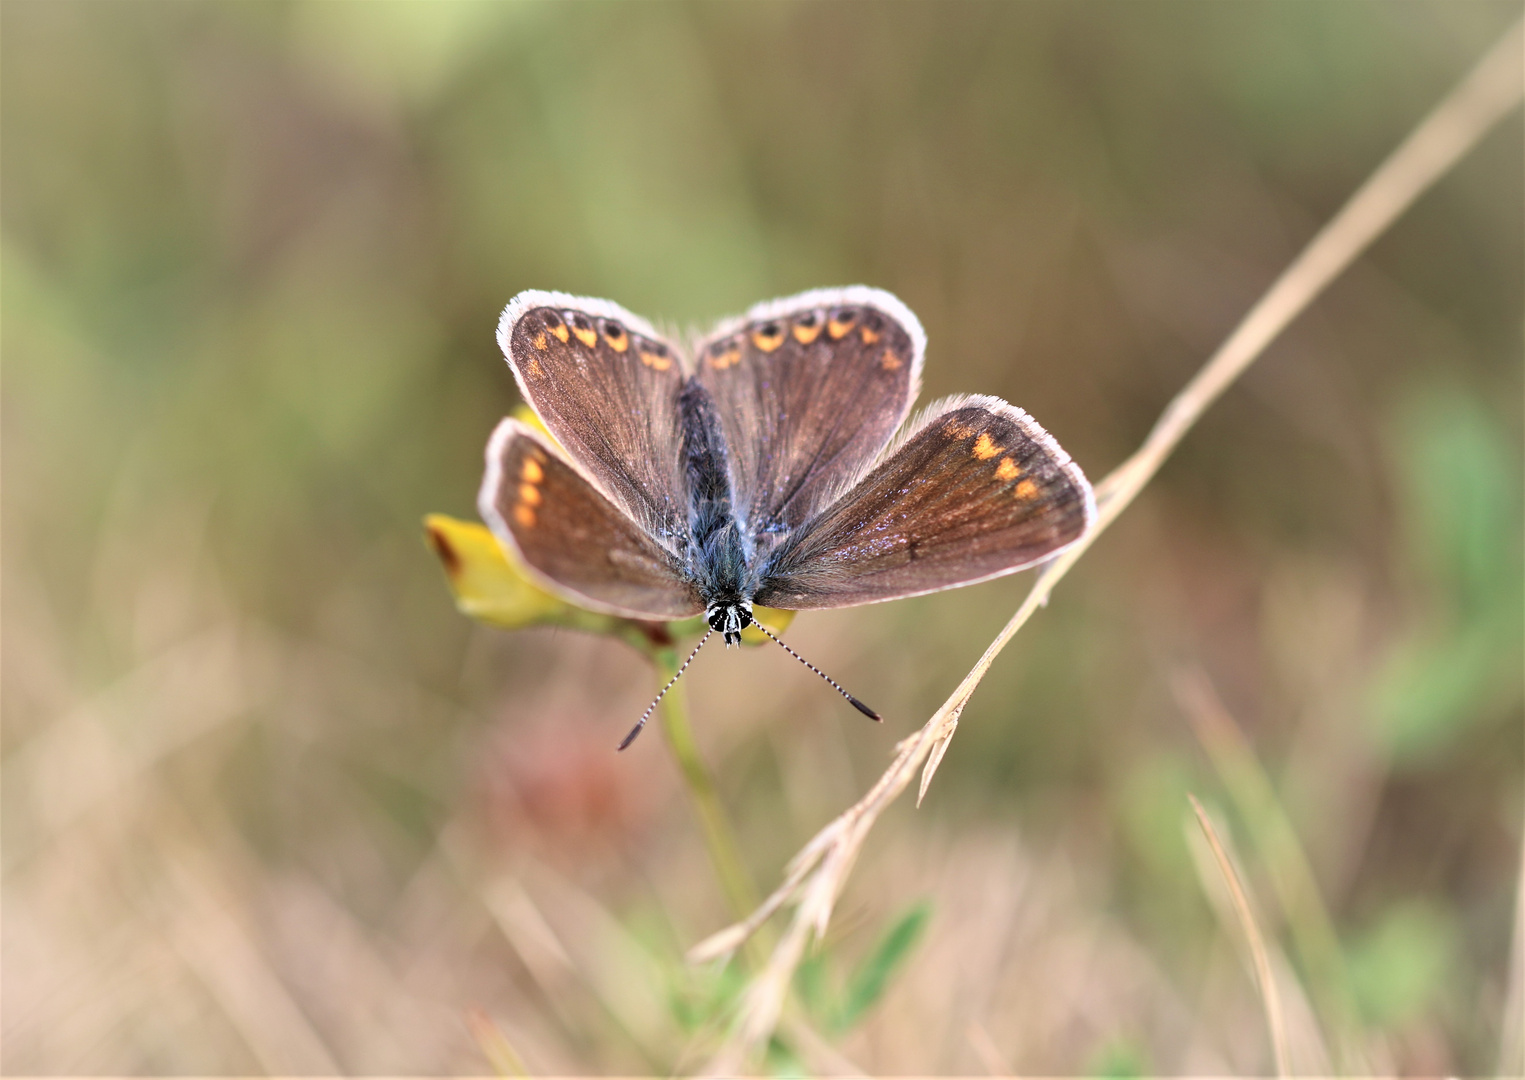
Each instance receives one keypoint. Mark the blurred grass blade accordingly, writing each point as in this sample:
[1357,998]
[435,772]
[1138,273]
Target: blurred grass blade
[719,838]
[500,1053]
[1512,1037]
[873,975]
[1270,999]
[1277,844]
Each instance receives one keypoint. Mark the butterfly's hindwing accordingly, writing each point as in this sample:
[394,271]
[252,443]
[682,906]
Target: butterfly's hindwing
[572,537]
[606,386]
[809,389]
[975,490]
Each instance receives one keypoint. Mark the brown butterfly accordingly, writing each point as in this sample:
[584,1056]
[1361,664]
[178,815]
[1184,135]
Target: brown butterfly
[766,469]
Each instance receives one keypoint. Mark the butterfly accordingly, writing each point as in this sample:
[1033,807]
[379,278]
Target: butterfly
[771,465]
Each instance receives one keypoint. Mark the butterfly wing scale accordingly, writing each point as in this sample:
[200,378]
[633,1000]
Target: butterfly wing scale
[572,537]
[606,386]
[975,490]
[809,389]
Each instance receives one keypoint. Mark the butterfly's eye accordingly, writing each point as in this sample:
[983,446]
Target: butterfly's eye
[582,326]
[615,335]
[842,320]
[768,336]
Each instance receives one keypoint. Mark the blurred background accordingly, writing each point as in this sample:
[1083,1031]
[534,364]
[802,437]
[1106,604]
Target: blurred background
[272,804]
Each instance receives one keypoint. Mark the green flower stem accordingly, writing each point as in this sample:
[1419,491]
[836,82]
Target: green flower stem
[736,883]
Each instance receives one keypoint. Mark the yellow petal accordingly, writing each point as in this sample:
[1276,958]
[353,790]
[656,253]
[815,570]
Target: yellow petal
[773,618]
[526,415]
[485,584]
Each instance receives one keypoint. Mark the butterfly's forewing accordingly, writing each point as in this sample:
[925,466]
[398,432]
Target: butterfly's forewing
[809,389]
[606,386]
[570,535]
[976,490]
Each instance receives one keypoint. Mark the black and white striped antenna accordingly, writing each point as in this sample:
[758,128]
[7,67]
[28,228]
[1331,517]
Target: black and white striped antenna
[641,723]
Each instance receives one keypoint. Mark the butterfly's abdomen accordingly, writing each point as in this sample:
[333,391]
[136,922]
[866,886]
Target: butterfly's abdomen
[718,556]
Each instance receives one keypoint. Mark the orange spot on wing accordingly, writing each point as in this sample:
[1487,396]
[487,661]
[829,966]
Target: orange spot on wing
[530,495]
[533,368]
[1026,490]
[1007,470]
[531,471]
[588,337]
[806,334]
[869,336]
[560,330]
[618,342]
[768,342]
[524,516]
[539,341]
[985,448]
[729,358]
[837,328]
[891,362]
[958,431]
[653,360]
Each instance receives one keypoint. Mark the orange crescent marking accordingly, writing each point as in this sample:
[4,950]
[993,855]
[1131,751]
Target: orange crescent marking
[560,330]
[765,342]
[869,337]
[806,334]
[1007,470]
[985,447]
[652,360]
[588,337]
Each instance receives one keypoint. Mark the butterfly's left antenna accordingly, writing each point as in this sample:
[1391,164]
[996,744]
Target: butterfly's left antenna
[854,702]
[639,724]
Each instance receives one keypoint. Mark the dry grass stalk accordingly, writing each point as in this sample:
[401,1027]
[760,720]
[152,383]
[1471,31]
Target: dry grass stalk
[1265,981]
[816,876]
[1511,1060]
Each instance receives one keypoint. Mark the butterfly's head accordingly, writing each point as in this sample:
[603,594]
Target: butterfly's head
[729,618]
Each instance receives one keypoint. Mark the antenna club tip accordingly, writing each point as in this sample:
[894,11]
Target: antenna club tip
[865,710]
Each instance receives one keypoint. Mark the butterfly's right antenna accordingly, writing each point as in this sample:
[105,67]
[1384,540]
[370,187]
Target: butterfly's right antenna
[639,724]
[854,702]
